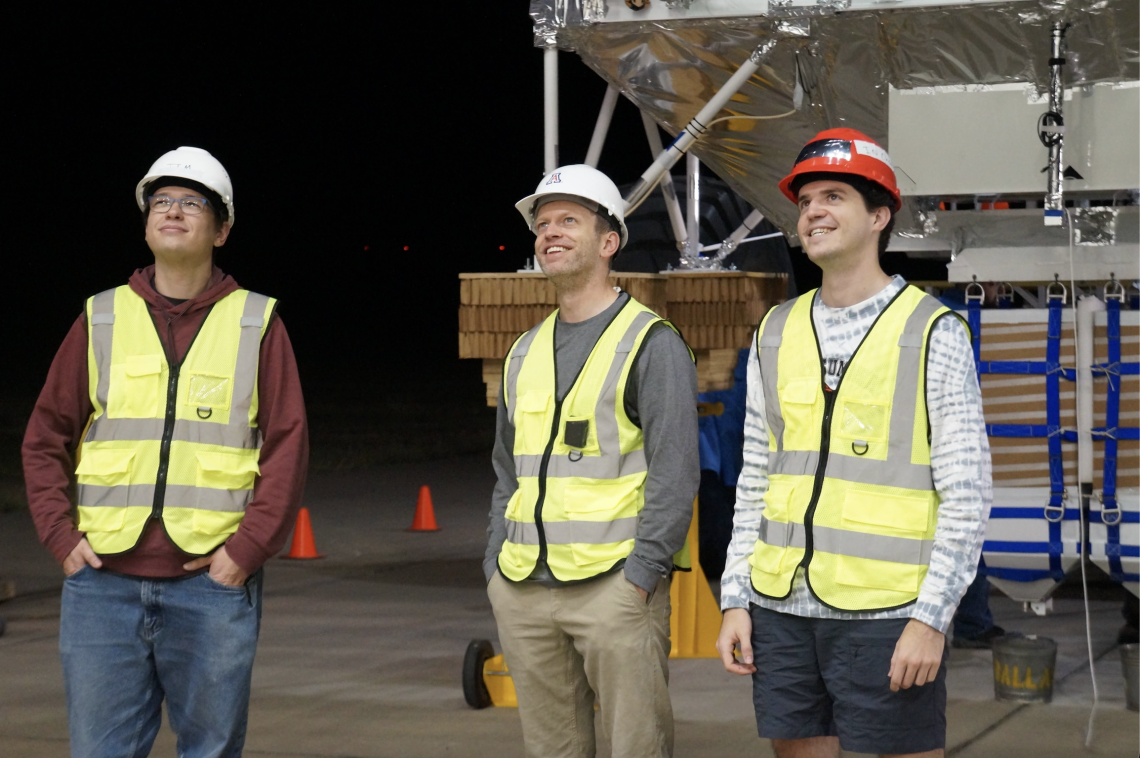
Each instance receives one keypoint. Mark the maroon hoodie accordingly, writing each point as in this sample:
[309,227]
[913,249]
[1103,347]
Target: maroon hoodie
[64,406]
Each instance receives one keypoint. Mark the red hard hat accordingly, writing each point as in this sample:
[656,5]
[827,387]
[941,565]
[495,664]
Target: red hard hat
[844,151]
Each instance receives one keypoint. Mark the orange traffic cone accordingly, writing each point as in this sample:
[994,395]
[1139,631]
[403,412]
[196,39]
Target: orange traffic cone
[424,520]
[303,547]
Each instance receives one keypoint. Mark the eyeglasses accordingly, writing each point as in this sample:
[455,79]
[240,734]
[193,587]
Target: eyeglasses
[191,206]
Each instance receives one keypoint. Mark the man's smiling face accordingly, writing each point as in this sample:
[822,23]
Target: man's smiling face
[834,221]
[566,241]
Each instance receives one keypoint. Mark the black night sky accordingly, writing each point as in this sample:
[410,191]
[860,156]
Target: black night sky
[348,134]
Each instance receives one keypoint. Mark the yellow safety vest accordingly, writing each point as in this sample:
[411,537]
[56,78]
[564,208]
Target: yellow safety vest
[851,497]
[177,443]
[580,462]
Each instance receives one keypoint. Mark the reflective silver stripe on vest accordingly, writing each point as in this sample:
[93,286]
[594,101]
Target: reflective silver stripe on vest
[185,430]
[590,466]
[177,496]
[606,411]
[829,539]
[237,433]
[767,351]
[888,473]
[102,328]
[903,406]
[522,347]
[569,532]
[249,350]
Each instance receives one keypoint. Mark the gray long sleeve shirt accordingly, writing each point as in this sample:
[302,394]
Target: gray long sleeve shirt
[661,398]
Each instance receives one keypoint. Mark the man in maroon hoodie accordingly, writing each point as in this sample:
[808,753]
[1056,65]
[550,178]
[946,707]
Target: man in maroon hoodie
[175,400]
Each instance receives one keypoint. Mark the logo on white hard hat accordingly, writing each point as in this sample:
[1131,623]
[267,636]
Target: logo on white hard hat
[555,178]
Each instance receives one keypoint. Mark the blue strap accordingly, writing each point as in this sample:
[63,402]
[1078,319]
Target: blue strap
[974,319]
[1053,422]
[1033,430]
[1111,419]
[1120,369]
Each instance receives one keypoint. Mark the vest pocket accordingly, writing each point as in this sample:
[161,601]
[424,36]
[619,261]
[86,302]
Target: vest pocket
[878,575]
[797,406]
[863,421]
[216,523]
[531,428]
[209,391]
[887,514]
[226,471]
[101,519]
[135,388]
[601,504]
[105,468]
[768,557]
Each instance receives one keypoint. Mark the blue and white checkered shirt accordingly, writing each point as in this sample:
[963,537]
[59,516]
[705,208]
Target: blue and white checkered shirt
[959,454]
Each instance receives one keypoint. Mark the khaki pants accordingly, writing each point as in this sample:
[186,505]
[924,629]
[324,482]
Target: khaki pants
[565,644]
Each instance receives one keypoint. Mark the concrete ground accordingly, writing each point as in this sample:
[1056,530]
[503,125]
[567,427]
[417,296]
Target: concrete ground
[361,652]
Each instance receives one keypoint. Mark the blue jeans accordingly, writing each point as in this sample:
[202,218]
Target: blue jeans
[130,642]
[973,617]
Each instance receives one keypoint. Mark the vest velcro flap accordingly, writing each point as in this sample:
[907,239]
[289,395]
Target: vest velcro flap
[879,575]
[897,513]
[800,391]
[143,365]
[226,471]
[105,468]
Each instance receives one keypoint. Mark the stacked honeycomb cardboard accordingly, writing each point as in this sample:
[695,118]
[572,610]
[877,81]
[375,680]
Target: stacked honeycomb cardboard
[717,312]
[494,309]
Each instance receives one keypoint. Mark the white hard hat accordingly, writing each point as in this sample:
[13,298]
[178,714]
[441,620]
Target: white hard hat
[581,181]
[191,163]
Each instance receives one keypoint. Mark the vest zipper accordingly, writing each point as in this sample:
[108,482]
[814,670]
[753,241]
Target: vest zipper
[171,408]
[821,467]
[829,397]
[542,468]
[167,436]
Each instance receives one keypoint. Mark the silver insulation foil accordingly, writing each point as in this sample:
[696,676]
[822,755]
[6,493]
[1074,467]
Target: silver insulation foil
[832,68]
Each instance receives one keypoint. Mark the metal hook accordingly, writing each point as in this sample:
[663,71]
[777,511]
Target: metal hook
[980,297]
[1051,295]
[1055,513]
[1109,516]
[1113,290]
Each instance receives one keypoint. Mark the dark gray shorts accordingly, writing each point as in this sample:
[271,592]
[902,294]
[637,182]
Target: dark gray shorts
[823,677]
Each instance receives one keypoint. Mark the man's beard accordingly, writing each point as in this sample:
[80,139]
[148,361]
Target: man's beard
[578,273]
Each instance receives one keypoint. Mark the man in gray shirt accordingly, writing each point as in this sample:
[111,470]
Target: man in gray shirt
[596,458]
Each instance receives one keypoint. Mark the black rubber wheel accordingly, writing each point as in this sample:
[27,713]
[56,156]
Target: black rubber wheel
[474,690]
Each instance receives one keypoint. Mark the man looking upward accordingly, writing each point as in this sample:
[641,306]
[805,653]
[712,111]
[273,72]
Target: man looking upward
[175,400]
[866,486]
[596,458]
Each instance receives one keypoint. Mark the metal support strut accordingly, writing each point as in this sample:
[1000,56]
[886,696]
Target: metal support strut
[602,127]
[693,201]
[550,108]
[672,204]
[1051,130]
[696,128]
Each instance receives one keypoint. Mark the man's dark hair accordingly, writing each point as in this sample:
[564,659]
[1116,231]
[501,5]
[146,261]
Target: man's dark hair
[604,223]
[874,196]
[213,199]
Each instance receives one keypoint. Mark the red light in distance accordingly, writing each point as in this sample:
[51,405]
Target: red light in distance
[405,247]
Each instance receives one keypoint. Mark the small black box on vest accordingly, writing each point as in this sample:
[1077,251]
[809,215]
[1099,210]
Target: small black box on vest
[577,432]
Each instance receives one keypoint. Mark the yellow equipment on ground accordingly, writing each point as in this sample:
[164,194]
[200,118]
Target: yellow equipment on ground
[693,629]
